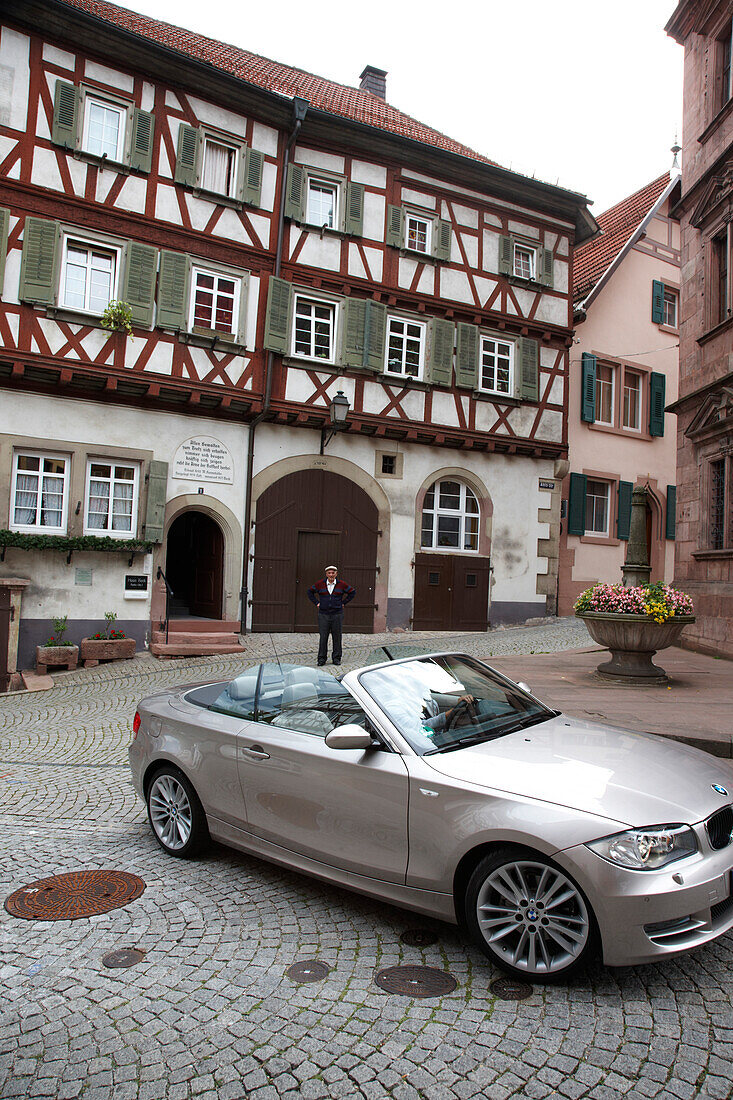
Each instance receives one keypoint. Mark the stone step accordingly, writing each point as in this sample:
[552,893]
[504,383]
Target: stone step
[200,626]
[176,648]
[193,637]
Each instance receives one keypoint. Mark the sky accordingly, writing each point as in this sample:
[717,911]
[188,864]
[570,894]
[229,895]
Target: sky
[583,94]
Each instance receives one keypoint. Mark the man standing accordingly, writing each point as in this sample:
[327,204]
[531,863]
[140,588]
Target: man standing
[330,597]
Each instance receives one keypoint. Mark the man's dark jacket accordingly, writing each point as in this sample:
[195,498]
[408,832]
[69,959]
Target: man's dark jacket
[334,603]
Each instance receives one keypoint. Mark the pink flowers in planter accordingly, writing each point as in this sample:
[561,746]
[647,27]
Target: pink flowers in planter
[658,601]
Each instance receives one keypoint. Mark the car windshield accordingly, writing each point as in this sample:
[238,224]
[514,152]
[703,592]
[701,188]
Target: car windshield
[441,703]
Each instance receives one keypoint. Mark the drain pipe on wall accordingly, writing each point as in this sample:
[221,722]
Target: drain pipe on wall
[300,108]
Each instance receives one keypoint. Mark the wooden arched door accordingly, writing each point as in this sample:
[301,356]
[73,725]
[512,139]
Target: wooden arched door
[306,521]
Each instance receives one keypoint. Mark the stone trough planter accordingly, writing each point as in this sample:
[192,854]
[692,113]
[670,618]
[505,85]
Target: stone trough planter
[94,650]
[633,640]
[55,656]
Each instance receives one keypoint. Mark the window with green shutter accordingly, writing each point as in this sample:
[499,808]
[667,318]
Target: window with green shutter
[528,355]
[157,480]
[418,232]
[623,517]
[576,504]
[39,262]
[441,338]
[4,227]
[141,151]
[218,165]
[138,284]
[65,125]
[657,302]
[656,404]
[670,526]
[588,388]
[467,356]
[252,192]
[173,289]
[277,317]
[102,125]
[354,209]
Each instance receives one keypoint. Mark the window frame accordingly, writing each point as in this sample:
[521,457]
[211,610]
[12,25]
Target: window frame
[336,188]
[38,528]
[511,391]
[461,513]
[725,460]
[671,296]
[68,237]
[113,463]
[237,314]
[404,320]
[589,532]
[629,373]
[94,98]
[531,249]
[613,368]
[429,221]
[317,301]
[214,138]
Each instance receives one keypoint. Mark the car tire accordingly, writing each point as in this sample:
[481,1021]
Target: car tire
[528,916]
[176,815]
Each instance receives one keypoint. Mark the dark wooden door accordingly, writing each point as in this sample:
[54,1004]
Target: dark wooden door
[451,592]
[208,575]
[4,637]
[316,550]
[321,503]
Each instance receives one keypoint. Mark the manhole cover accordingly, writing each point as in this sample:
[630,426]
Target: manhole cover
[310,970]
[418,937]
[416,981]
[125,956]
[509,989]
[74,895]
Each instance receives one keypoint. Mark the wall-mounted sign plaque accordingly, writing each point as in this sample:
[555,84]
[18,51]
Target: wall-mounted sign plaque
[203,458]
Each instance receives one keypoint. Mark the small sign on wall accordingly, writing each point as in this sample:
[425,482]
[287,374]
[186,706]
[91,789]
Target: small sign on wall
[203,458]
[83,577]
[547,484]
[136,586]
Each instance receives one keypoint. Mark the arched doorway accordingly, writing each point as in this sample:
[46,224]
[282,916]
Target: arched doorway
[305,521]
[194,566]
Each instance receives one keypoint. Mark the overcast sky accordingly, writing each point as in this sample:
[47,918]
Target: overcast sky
[587,95]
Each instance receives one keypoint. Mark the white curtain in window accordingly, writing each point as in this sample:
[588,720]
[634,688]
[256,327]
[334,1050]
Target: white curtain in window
[52,497]
[26,498]
[98,505]
[122,510]
[216,168]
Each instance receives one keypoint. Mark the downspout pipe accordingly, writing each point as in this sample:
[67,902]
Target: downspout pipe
[300,108]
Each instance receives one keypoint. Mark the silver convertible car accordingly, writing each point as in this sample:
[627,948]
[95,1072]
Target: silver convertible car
[437,784]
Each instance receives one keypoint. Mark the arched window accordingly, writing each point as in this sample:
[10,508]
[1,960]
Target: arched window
[450,517]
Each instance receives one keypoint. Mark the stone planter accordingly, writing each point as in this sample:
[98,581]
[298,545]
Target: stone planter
[55,656]
[94,650]
[633,640]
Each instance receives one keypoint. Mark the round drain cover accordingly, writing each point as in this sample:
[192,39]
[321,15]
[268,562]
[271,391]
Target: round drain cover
[74,895]
[310,970]
[510,989]
[126,956]
[418,937]
[416,981]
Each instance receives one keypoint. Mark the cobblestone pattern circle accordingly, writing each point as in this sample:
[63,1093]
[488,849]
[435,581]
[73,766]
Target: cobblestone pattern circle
[310,970]
[123,957]
[416,981]
[74,895]
[509,989]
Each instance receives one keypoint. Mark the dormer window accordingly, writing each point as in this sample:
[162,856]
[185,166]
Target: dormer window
[418,233]
[104,128]
[322,203]
[525,261]
[220,168]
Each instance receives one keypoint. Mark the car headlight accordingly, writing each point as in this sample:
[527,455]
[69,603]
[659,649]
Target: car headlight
[647,849]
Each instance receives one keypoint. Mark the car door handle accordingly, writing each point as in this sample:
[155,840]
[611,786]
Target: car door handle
[256,751]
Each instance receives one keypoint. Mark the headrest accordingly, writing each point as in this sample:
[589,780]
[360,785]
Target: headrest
[244,686]
[302,676]
[299,695]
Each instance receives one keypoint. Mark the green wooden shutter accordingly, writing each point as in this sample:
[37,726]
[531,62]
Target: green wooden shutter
[173,291]
[354,219]
[441,335]
[506,255]
[141,152]
[4,226]
[375,332]
[354,327]
[576,504]
[38,264]
[623,518]
[670,527]
[588,388]
[252,188]
[528,353]
[547,270]
[395,226]
[295,193]
[467,356]
[138,284]
[656,404]
[187,155]
[442,239]
[155,511]
[66,114]
[657,302]
[277,318]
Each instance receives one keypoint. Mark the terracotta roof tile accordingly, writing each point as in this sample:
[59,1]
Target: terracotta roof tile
[326,95]
[617,224]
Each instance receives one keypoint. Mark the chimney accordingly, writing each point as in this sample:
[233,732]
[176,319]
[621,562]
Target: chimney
[374,81]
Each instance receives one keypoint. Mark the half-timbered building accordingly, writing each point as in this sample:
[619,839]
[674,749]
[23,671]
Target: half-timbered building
[202,249]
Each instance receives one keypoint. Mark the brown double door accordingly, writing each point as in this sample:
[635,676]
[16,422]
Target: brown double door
[451,592]
[306,521]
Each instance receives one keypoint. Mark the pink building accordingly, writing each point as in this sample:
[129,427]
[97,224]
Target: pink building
[623,373]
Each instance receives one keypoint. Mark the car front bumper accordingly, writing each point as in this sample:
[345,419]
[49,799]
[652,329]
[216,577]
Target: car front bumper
[644,916]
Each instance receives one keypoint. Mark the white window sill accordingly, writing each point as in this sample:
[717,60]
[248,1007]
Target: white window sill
[215,341]
[37,530]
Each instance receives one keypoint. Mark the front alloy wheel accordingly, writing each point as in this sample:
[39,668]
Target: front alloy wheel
[528,916]
[176,815]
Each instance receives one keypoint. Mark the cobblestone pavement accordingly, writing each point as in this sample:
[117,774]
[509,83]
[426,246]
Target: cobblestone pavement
[209,1013]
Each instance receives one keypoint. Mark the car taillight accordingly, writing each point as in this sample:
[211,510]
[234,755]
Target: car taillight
[136,724]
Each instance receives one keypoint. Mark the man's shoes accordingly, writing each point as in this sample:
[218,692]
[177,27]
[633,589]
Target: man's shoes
[337,662]
[321,663]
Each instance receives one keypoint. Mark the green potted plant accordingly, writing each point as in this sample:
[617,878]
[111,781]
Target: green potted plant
[117,317]
[634,622]
[107,645]
[56,652]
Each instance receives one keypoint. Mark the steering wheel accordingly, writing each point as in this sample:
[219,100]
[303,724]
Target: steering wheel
[462,714]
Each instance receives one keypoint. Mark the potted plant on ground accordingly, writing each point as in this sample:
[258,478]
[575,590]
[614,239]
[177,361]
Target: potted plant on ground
[107,645]
[56,652]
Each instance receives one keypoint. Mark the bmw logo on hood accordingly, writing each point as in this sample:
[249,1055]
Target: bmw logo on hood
[721,790]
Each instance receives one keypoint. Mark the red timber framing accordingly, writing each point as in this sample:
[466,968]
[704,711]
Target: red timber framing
[80,192]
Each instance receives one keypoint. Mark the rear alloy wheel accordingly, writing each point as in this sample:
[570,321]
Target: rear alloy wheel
[176,815]
[528,916]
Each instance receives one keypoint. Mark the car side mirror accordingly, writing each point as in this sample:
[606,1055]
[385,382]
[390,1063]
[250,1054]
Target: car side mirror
[525,687]
[349,737]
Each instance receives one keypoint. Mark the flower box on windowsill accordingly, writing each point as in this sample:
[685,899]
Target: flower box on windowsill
[56,656]
[94,650]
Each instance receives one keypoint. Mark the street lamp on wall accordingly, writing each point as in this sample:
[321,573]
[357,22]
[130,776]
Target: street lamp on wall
[339,410]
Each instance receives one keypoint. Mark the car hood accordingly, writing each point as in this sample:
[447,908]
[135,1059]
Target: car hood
[634,778]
